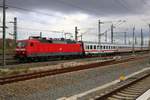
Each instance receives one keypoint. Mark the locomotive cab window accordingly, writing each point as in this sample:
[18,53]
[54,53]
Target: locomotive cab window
[21,44]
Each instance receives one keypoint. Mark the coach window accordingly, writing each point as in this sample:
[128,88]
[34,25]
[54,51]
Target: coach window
[101,47]
[94,46]
[104,47]
[88,47]
[91,47]
[98,47]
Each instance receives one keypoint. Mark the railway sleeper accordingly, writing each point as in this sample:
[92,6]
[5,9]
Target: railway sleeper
[123,97]
[131,93]
[136,89]
[111,98]
[127,95]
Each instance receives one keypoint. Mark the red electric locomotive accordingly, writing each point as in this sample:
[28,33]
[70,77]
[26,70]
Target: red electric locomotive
[37,48]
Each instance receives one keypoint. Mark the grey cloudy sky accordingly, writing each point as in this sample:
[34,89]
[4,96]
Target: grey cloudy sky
[66,14]
[96,7]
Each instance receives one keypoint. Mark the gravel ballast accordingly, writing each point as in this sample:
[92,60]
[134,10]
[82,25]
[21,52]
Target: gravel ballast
[63,85]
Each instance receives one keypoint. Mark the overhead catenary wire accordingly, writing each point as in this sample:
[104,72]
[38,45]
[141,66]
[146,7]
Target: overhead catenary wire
[32,29]
[39,30]
[66,3]
[31,10]
[48,14]
[126,6]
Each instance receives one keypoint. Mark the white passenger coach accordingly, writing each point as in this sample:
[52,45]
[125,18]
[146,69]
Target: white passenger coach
[96,48]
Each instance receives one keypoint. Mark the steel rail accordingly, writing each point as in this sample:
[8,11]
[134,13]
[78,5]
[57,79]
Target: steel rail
[33,75]
[128,91]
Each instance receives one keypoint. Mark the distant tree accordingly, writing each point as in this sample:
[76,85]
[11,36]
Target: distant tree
[10,43]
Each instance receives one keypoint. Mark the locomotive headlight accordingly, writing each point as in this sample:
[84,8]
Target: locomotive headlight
[23,52]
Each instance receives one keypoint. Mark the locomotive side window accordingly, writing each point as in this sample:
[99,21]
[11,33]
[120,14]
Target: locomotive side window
[31,44]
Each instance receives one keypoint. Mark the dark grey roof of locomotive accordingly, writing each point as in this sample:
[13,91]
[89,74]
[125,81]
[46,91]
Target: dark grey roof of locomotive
[54,40]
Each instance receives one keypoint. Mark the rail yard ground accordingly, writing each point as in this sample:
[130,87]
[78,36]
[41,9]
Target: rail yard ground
[68,84]
[43,66]
[18,68]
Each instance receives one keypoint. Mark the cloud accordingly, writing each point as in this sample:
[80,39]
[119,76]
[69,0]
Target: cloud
[94,7]
[66,14]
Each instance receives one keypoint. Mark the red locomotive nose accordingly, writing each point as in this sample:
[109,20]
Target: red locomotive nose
[21,49]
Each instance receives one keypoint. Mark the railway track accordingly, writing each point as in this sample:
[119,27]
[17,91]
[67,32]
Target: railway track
[11,61]
[15,64]
[129,91]
[27,76]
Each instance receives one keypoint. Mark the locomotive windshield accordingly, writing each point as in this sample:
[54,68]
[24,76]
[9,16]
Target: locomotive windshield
[21,44]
